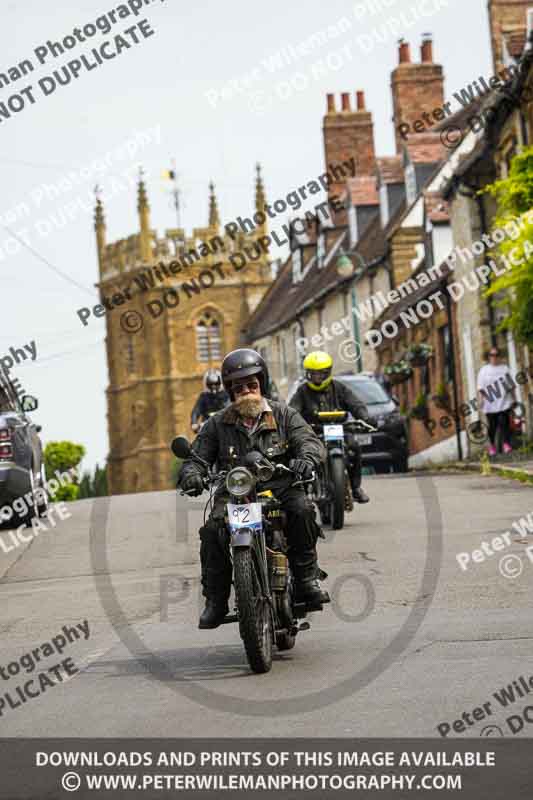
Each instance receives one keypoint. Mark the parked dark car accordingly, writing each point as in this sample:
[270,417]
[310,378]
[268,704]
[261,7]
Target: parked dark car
[388,447]
[21,459]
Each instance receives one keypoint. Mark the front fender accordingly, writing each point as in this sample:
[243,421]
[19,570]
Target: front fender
[336,452]
[242,538]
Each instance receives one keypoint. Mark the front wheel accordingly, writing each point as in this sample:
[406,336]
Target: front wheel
[337,477]
[255,622]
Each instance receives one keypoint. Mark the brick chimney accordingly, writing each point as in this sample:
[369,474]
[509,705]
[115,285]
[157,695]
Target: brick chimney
[505,16]
[348,133]
[415,87]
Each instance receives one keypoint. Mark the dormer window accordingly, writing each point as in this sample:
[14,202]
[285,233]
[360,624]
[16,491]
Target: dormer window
[321,249]
[296,265]
[384,205]
[410,183]
[352,224]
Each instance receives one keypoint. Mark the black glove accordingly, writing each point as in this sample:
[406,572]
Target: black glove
[193,485]
[302,467]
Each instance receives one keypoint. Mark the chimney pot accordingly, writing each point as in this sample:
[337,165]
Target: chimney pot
[331,103]
[345,98]
[360,101]
[404,53]
[426,50]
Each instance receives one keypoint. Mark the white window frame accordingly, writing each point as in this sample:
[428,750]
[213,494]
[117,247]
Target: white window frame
[384,204]
[410,183]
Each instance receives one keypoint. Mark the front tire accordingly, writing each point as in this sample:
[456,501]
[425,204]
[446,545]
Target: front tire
[337,477]
[255,623]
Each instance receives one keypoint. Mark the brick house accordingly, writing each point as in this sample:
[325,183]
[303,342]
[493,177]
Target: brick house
[309,295]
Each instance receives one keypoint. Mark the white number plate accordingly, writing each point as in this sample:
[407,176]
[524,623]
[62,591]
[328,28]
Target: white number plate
[246,516]
[333,432]
[363,438]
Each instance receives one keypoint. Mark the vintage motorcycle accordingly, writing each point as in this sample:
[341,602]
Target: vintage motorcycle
[266,609]
[331,489]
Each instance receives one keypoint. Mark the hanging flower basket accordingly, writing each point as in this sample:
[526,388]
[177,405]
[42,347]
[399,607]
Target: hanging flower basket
[418,355]
[399,372]
[419,412]
[420,409]
[441,398]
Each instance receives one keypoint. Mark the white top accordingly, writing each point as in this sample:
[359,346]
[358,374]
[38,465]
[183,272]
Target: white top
[495,382]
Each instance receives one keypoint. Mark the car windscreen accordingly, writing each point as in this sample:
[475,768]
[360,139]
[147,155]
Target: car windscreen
[369,392]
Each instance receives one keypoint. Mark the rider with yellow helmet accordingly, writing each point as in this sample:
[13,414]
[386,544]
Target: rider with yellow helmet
[321,392]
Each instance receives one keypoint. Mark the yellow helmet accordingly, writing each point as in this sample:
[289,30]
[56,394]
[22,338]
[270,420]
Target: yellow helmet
[318,366]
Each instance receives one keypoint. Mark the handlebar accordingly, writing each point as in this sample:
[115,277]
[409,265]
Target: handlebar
[221,476]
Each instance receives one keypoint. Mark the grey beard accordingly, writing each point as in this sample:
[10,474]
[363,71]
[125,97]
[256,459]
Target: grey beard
[249,407]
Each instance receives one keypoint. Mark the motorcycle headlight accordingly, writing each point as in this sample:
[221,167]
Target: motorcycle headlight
[239,481]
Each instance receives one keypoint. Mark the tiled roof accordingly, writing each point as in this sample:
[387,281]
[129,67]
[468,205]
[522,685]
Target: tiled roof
[284,300]
[363,190]
[394,310]
[389,169]
[425,148]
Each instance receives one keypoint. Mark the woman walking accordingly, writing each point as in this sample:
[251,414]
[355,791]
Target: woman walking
[496,389]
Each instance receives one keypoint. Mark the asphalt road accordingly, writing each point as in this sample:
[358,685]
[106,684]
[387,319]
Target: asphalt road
[410,641]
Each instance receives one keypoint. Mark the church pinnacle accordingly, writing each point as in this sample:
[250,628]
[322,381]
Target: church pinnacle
[144,218]
[99,225]
[260,198]
[214,217]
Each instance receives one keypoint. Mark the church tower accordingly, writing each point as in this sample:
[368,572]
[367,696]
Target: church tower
[178,306]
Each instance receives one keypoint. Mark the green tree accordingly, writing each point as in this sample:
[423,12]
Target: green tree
[95,485]
[62,456]
[514,290]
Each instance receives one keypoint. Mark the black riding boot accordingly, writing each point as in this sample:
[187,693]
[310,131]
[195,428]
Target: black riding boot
[216,576]
[305,570]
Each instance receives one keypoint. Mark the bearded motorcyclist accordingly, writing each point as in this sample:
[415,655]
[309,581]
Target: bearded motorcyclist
[321,392]
[253,423]
[212,399]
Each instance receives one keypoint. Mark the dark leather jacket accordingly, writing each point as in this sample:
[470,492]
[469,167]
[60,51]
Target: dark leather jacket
[336,397]
[281,435]
[207,403]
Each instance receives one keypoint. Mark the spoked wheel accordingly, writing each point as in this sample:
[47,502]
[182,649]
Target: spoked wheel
[255,621]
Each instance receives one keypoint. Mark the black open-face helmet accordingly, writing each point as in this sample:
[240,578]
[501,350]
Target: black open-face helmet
[243,363]
[212,380]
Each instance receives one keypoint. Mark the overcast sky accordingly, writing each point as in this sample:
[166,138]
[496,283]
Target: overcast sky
[175,79]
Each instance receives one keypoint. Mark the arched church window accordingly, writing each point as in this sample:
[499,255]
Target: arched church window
[208,338]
